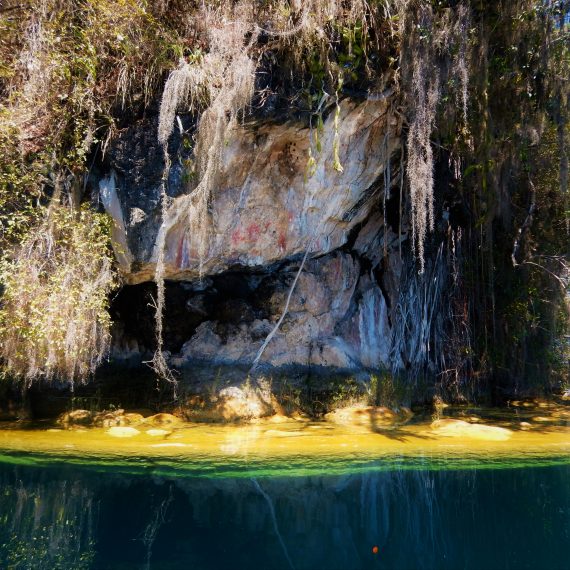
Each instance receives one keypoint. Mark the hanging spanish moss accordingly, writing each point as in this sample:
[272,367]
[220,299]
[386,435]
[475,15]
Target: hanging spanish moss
[247,138]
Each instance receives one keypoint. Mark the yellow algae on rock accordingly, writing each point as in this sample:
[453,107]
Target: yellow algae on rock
[278,419]
[157,432]
[459,428]
[361,415]
[321,439]
[368,416]
[122,431]
[284,433]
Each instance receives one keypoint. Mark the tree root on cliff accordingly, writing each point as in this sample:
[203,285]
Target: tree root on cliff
[283,314]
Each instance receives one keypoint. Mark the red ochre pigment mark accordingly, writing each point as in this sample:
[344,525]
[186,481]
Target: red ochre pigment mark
[179,253]
[282,241]
[237,236]
[266,227]
[253,231]
[250,234]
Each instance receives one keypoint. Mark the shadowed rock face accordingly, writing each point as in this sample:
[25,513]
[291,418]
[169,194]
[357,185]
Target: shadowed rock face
[267,211]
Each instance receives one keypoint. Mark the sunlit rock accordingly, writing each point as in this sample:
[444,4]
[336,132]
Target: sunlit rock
[458,428]
[105,418]
[76,417]
[163,420]
[368,416]
[563,414]
[309,337]
[132,418]
[109,418]
[242,403]
[122,431]
[278,419]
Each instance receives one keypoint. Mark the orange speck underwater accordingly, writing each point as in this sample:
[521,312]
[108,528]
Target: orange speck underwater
[374,550]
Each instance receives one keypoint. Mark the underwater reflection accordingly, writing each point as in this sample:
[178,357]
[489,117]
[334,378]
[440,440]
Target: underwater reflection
[75,519]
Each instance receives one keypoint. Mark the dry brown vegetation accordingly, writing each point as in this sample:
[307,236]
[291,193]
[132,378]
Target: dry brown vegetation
[54,321]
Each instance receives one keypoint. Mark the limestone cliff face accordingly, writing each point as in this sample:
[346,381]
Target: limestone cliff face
[269,208]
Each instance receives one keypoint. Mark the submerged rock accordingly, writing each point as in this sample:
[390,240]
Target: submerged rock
[157,432]
[122,431]
[458,428]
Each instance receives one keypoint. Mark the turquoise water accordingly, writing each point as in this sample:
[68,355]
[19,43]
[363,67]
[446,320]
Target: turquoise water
[417,513]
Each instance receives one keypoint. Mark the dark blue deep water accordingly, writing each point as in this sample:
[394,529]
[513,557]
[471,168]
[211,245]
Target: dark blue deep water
[75,518]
